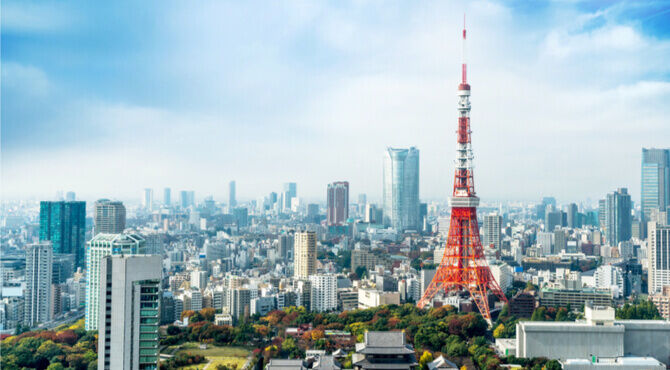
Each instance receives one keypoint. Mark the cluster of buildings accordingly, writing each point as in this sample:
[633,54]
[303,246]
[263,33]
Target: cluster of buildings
[61,261]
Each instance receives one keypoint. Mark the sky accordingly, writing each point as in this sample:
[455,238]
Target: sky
[106,99]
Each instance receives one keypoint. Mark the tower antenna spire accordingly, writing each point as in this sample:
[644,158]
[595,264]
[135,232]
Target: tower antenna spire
[464,65]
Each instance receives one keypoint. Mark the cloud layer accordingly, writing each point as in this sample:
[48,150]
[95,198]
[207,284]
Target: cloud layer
[109,100]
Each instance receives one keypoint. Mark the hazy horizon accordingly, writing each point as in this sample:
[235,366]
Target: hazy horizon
[108,99]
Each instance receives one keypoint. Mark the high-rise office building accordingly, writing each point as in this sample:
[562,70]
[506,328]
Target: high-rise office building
[338,203]
[64,224]
[324,292]
[186,198]
[70,196]
[618,219]
[304,257]
[109,217]
[129,306]
[290,191]
[573,220]
[401,188]
[148,199]
[492,235]
[659,256]
[655,181]
[100,246]
[285,246]
[553,219]
[37,300]
[239,302]
[167,196]
[549,202]
[560,241]
[232,201]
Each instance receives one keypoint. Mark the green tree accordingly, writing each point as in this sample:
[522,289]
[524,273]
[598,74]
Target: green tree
[539,314]
[49,350]
[56,366]
[553,365]
[361,271]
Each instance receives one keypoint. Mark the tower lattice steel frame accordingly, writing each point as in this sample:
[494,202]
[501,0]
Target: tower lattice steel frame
[463,266]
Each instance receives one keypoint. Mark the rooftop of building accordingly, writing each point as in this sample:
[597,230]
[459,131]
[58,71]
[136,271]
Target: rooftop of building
[384,342]
[117,238]
[284,364]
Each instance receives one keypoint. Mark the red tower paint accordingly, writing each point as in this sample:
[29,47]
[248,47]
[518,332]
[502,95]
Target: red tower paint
[463,266]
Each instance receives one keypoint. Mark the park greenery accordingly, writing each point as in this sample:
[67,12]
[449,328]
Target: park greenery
[66,347]
[459,336]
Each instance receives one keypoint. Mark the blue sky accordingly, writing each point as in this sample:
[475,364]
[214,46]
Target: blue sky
[107,99]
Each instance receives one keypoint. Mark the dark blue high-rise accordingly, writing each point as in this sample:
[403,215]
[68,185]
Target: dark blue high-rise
[64,224]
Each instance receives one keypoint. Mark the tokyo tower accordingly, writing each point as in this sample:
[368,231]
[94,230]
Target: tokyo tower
[463,266]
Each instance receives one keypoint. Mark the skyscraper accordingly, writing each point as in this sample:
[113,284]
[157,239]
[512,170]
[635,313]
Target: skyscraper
[655,181]
[109,216]
[618,218]
[304,257]
[64,224]
[492,227]
[100,246]
[573,221]
[553,219]
[129,300]
[659,257]
[401,188]
[338,203]
[290,191]
[70,196]
[167,196]
[37,303]
[148,199]
[232,202]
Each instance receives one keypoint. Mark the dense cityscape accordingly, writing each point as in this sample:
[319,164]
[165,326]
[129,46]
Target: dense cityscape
[178,279]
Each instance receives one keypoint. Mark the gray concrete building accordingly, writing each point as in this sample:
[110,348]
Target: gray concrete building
[599,336]
[37,299]
[129,312]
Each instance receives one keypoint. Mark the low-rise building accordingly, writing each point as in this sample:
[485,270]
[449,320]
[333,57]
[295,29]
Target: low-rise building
[368,298]
[384,350]
[662,302]
[575,298]
[600,335]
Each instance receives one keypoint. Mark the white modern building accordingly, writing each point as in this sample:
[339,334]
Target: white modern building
[37,299]
[609,277]
[492,235]
[324,292]
[100,246]
[659,256]
[368,298]
[129,307]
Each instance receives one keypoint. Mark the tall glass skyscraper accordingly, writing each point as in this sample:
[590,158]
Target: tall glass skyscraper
[618,219]
[401,188]
[64,224]
[655,181]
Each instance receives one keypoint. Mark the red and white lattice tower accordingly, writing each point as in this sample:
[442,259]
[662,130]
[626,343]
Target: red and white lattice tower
[463,267]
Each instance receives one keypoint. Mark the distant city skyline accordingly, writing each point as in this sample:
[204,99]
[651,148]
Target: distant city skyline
[565,95]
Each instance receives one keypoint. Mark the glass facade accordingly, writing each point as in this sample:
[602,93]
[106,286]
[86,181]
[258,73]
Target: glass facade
[655,181]
[149,320]
[64,224]
[401,189]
